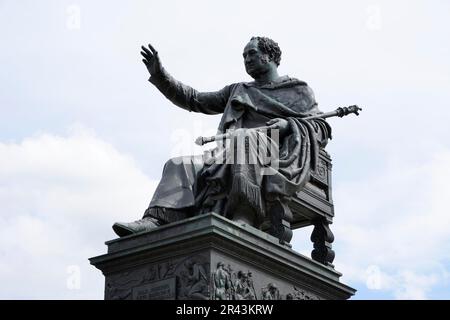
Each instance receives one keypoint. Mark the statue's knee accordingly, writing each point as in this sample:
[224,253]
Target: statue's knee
[177,161]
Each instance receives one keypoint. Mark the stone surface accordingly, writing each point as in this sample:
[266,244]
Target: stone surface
[211,257]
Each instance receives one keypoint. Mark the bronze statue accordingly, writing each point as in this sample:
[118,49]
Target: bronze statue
[276,113]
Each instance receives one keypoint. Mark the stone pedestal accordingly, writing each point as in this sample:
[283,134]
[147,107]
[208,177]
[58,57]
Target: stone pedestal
[210,257]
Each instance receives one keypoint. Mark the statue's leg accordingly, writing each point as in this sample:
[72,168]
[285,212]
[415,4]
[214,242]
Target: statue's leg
[175,189]
[280,220]
[173,198]
[322,237]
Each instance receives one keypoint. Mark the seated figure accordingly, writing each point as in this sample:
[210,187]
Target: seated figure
[269,113]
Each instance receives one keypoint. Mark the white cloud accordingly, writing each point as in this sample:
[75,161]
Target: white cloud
[390,204]
[415,286]
[59,197]
[394,227]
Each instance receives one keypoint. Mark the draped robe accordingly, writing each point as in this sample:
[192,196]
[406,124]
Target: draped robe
[198,184]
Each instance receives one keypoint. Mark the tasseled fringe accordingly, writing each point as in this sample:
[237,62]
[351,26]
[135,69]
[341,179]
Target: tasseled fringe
[243,191]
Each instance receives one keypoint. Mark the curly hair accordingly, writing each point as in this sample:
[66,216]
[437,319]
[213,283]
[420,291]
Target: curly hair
[270,47]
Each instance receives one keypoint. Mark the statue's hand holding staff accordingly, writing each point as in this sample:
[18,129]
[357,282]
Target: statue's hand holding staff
[278,124]
[283,125]
[151,60]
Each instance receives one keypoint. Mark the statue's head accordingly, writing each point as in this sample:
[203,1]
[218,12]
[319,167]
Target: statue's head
[260,55]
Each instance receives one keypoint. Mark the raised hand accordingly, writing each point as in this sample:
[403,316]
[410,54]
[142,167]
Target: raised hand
[151,60]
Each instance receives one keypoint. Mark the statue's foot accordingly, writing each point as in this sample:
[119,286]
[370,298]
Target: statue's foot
[123,229]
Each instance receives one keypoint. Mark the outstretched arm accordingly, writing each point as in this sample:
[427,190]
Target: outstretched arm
[180,94]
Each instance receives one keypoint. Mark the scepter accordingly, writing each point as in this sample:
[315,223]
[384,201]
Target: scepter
[339,112]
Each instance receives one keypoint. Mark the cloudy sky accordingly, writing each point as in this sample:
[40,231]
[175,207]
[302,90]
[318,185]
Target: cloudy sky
[84,136]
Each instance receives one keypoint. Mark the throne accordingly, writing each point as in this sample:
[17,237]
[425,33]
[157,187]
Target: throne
[313,205]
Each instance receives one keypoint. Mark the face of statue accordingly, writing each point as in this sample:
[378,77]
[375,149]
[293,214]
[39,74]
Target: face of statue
[256,62]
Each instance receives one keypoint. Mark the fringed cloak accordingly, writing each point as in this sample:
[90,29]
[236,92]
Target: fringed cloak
[189,186]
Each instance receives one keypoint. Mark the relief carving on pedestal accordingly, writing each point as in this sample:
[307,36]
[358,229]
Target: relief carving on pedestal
[271,292]
[230,285]
[186,278]
[299,294]
[193,278]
